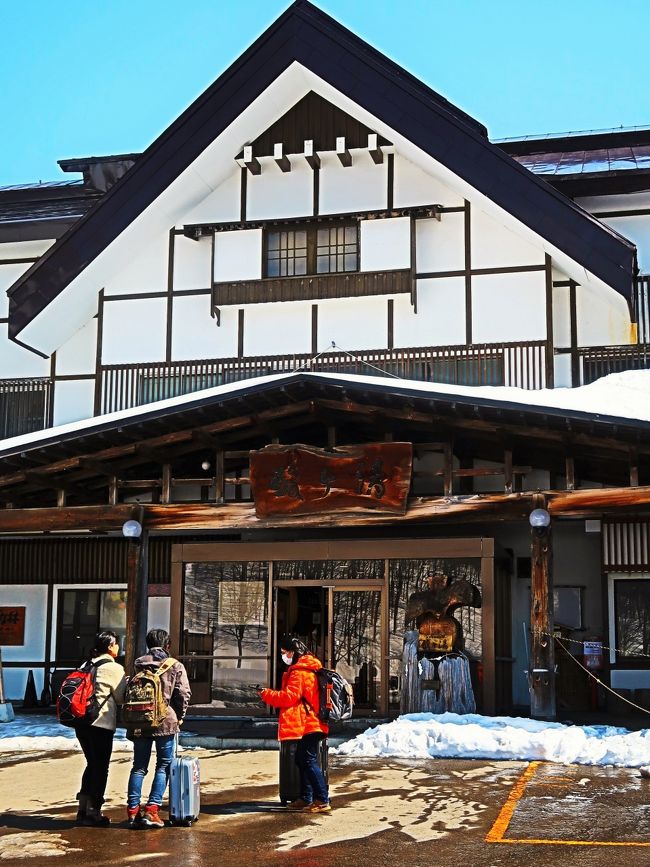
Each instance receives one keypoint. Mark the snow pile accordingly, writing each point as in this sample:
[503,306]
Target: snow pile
[45,733]
[472,736]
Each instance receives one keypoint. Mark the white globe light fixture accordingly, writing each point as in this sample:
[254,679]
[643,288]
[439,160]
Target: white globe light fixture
[539,519]
[132,529]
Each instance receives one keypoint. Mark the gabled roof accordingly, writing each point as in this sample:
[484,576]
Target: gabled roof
[305,35]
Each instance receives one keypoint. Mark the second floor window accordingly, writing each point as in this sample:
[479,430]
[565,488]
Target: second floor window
[332,249]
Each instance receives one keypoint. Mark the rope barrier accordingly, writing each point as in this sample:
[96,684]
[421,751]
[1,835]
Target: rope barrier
[604,646]
[597,679]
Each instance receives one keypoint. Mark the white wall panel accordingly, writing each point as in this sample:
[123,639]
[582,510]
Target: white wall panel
[134,330]
[238,255]
[221,205]
[73,400]
[34,598]
[24,249]
[277,329]
[77,355]
[440,245]
[8,276]
[158,612]
[192,263]
[353,323]
[600,323]
[415,187]
[195,333]
[274,193]
[440,319]
[509,307]
[495,246]
[145,269]
[360,187]
[637,230]
[18,362]
[385,244]
[562,371]
[561,317]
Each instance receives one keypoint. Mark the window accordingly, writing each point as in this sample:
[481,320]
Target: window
[84,613]
[330,249]
[632,617]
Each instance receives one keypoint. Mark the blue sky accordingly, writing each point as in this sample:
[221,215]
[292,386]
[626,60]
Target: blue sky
[80,78]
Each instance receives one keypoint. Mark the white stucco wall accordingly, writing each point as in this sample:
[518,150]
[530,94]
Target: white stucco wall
[192,262]
[440,320]
[77,355]
[73,400]
[274,193]
[8,276]
[18,362]
[353,323]
[495,246]
[134,330]
[34,598]
[238,255]
[195,333]
[385,244]
[440,244]
[602,321]
[221,205]
[412,186]
[509,307]
[360,187]
[143,270]
[277,329]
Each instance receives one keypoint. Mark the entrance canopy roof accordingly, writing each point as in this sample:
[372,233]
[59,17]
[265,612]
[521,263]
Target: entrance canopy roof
[82,458]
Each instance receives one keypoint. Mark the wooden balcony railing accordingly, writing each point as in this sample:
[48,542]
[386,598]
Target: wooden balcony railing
[519,364]
[25,406]
[597,361]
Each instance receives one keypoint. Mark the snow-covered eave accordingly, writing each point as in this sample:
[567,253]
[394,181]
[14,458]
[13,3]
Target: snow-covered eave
[626,396]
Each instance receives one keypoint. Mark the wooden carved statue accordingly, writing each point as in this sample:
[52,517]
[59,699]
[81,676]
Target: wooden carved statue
[432,609]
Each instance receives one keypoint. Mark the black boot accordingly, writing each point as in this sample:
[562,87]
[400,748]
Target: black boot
[84,802]
[94,817]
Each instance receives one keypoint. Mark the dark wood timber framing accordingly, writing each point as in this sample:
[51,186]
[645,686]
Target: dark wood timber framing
[314,329]
[316,191]
[550,369]
[243,194]
[542,657]
[573,325]
[169,315]
[345,285]
[468,273]
[240,333]
[390,324]
[390,181]
[98,353]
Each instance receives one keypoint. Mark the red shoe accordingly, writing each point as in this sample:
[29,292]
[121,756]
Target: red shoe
[134,816]
[151,817]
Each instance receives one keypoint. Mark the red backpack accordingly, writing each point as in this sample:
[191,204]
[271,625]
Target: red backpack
[77,702]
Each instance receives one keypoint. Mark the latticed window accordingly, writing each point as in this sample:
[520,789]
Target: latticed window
[322,249]
[23,406]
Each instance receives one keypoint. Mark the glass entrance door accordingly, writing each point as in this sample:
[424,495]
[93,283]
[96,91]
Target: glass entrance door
[356,644]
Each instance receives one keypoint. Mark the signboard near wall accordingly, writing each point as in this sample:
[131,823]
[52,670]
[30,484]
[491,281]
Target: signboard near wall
[299,479]
[12,626]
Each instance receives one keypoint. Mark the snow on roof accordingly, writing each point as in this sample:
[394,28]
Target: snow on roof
[613,398]
[472,736]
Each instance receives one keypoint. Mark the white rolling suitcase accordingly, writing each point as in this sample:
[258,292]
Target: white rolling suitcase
[184,790]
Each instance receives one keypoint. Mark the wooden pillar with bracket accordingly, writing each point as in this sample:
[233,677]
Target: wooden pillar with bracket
[542,655]
[137,597]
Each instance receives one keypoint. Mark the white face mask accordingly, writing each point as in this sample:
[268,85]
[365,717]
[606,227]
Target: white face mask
[287,658]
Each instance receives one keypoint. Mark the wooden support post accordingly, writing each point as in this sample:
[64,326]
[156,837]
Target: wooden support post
[331,437]
[507,471]
[166,494]
[634,468]
[113,491]
[61,498]
[313,160]
[448,483]
[219,474]
[137,599]
[570,473]
[542,655]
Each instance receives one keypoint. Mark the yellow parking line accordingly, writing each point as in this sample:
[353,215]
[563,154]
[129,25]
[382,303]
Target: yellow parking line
[500,826]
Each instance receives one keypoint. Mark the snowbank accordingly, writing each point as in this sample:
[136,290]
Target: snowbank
[472,736]
[45,734]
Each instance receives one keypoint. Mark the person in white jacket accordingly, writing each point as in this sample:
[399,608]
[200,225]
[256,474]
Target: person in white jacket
[97,739]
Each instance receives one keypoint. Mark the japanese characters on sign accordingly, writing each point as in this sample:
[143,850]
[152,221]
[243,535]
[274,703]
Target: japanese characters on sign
[12,626]
[289,480]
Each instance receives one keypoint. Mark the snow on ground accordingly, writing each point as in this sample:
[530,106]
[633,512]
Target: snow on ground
[472,736]
[45,733]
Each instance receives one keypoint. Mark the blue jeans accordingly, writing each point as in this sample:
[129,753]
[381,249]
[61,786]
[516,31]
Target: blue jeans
[312,781]
[141,755]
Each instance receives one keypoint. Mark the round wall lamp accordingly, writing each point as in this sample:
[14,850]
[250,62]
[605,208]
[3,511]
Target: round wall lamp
[539,519]
[132,529]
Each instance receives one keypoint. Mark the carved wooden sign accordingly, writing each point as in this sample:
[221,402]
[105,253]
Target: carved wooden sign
[12,626]
[299,479]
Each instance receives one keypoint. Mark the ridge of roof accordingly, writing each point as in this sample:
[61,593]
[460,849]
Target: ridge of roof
[307,35]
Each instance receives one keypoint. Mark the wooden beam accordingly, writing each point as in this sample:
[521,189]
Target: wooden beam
[313,160]
[166,492]
[251,162]
[343,153]
[542,657]
[281,158]
[374,149]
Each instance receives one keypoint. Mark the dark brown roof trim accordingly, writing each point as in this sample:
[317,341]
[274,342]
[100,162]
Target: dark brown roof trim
[310,37]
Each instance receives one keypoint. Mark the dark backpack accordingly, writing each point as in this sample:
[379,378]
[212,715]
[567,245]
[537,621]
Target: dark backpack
[144,703]
[77,704]
[336,698]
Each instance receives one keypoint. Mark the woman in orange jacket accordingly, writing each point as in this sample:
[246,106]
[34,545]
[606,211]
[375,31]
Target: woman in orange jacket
[299,702]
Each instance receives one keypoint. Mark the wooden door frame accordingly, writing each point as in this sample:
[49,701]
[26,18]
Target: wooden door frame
[482,548]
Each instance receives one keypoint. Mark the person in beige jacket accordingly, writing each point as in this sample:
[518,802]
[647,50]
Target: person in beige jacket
[97,739]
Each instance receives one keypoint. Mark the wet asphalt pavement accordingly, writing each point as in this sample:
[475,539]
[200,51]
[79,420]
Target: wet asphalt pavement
[386,812]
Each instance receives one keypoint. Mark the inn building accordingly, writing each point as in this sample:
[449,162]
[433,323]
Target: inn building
[322,259]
